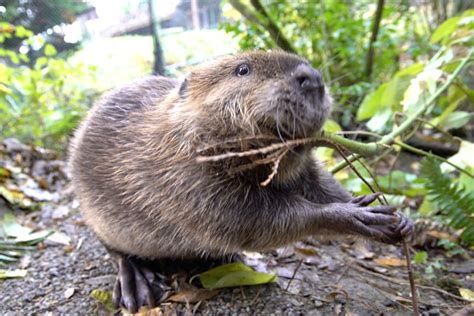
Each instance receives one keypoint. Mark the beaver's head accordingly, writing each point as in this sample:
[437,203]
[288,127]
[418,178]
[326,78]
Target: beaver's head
[258,93]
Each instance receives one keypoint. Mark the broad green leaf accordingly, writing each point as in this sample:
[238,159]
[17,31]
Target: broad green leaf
[379,121]
[394,91]
[412,70]
[455,97]
[105,298]
[331,127]
[233,274]
[445,29]
[35,237]
[456,120]
[371,104]
[12,228]
[7,274]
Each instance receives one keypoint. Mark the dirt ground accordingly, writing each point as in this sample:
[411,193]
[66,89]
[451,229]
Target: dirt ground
[314,277]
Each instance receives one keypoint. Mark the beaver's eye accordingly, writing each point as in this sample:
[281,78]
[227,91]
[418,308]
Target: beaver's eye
[242,70]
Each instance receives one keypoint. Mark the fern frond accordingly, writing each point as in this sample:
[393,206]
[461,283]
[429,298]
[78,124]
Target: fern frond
[456,205]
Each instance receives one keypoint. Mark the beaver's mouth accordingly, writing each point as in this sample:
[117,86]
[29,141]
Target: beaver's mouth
[298,117]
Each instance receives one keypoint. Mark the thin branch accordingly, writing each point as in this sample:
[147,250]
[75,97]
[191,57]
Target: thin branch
[373,38]
[263,19]
[276,163]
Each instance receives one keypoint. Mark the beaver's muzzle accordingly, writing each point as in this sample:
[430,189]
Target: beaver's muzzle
[308,80]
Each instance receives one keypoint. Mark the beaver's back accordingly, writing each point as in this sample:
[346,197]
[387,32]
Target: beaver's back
[103,146]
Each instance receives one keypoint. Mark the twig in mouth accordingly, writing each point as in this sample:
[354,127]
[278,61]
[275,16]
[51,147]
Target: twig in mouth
[276,163]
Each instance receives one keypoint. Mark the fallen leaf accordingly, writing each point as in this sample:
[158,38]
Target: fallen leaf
[441,235]
[12,228]
[59,238]
[467,294]
[69,292]
[234,274]
[306,251]
[103,297]
[16,197]
[7,274]
[193,296]
[390,262]
[34,238]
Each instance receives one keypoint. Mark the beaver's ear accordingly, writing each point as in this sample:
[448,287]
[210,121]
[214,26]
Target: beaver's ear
[183,89]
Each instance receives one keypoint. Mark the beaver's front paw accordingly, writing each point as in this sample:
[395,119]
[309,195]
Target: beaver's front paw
[392,228]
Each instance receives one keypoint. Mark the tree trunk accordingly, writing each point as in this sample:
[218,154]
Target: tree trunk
[158,64]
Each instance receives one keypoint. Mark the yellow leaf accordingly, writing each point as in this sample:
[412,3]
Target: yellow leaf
[467,294]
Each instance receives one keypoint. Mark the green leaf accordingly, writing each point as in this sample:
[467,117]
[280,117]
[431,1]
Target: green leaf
[371,104]
[445,29]
[7,274]
[12,228]
[456,120]
[331,127]
[420,257]
[379,121]
[234,274]
[105,298]
[49,50]
[34,238]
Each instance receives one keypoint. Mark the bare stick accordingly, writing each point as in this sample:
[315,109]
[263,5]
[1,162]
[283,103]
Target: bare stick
[414,298]
[294,274]
[276,163]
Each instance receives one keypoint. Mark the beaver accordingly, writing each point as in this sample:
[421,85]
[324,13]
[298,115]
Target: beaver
[133,166]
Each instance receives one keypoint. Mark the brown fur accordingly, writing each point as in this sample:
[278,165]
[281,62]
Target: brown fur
[133,164]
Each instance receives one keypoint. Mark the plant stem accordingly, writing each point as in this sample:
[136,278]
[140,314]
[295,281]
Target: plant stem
[374,147]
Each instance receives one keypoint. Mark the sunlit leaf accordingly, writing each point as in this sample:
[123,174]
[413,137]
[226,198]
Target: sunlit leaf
[49,50]
[445,29]
[331,127]
[234,274]
[371,104]
[467,294]
[464,156]
[7,274]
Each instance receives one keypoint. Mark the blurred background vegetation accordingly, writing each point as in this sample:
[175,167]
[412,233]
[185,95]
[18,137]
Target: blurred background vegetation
[381,60]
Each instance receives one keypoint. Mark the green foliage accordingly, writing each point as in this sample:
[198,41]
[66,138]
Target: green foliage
[455,204]
[334,36]
[411,86]
[42,104]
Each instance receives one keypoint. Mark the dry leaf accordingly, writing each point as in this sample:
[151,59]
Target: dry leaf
[193,296]
[390,262]
[440,235]
[306,251]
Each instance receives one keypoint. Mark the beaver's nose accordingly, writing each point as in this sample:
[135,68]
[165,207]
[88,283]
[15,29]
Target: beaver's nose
[307,78]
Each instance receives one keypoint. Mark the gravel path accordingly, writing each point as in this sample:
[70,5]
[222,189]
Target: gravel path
[331,281]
